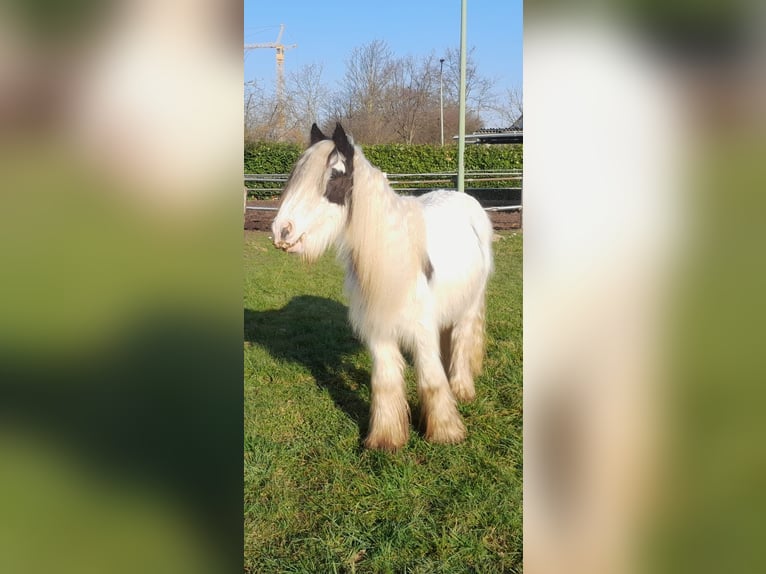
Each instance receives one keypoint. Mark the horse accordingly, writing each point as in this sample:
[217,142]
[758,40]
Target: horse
[416,276]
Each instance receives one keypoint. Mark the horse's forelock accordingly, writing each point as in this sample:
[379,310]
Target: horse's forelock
[309,171]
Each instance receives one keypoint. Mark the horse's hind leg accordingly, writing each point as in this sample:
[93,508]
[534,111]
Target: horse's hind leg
[389,411]
[438,411]
[467,346]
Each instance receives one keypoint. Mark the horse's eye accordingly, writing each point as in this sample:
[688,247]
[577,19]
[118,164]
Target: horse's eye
[335,173]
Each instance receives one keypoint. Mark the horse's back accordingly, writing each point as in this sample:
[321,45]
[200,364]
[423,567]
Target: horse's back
[459,237]
[455,219]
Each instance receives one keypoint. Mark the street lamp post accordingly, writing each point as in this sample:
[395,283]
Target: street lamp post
[441,98]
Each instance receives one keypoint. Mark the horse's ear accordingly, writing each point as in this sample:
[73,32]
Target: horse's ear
[316,134]
[342,142]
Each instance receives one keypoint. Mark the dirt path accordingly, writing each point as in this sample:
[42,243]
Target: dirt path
[258,220]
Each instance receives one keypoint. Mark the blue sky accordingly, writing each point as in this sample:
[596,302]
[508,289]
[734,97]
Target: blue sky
[327,30]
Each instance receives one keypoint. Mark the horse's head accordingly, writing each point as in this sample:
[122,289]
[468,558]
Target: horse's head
[317,195]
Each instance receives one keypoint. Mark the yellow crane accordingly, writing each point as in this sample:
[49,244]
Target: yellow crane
[280,49]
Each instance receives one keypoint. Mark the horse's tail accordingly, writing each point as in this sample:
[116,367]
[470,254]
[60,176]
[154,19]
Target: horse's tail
[482,227]
[476,355]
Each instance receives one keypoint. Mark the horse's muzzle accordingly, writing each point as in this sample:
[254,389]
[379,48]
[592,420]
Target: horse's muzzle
[282,238]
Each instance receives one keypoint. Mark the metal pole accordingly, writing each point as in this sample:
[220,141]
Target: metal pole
[441,98]
[461,124]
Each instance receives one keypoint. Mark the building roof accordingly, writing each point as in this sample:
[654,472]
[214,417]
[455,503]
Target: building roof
[512,134]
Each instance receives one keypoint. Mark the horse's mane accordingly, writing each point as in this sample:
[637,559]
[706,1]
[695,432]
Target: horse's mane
[384,244]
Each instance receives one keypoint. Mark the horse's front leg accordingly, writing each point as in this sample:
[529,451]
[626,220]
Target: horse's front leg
[389,411]
[439,416]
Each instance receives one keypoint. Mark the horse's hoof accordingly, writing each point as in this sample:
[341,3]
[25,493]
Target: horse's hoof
[388,438]
[464,393]
[388,444]
[451,432]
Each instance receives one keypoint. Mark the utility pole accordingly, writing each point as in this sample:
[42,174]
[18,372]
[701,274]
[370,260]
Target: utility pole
[441,98]
[280,53]
[461,128]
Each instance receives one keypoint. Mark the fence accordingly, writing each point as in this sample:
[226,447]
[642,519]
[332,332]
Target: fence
[505,197]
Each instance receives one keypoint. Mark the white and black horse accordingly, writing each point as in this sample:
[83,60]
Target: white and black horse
[416,276]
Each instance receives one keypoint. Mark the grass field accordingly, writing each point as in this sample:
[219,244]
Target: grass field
[314,500]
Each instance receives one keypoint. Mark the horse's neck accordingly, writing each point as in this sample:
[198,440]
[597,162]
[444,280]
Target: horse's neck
[374,203]
[376,187]
[384,242]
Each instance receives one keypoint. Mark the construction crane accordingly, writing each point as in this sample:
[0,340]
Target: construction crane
[280,49]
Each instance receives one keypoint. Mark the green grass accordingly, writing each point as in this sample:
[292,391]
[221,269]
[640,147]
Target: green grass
[315,500]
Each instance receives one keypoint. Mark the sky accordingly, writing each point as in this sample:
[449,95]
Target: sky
[326,31]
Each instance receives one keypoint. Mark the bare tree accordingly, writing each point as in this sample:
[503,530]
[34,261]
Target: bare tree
[383,99]
[412,97]
[261,111]
[369,71]
[253,94]
[479,90]
[388,99]
[307,98]
[511,106]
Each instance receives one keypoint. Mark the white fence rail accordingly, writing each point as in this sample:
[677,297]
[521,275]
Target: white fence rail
[412,183]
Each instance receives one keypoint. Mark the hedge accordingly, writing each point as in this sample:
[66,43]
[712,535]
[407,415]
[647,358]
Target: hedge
[270,157]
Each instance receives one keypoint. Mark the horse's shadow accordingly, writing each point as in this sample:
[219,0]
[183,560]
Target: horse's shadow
[314,331]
